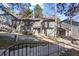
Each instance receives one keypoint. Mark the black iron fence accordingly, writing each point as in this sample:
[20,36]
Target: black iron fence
[33,49]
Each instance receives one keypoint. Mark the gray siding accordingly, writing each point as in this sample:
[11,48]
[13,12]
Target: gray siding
[74,32]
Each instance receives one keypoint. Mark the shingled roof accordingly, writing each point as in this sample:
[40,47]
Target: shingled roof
[75,23]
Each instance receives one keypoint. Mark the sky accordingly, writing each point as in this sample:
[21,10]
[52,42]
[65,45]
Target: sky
[47,10]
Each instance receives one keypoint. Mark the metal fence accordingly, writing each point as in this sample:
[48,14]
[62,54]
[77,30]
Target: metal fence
[33,49]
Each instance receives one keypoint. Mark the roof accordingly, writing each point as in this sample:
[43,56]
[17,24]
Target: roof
[75,23]
[51,18]
[28,19]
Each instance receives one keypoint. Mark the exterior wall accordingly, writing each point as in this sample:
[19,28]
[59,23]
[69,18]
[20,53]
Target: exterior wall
[49,28]
[66,27]
[67,33]
[50,32]
[74,32]
[35,31]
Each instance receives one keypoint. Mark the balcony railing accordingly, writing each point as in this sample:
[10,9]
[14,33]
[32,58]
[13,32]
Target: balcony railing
[32,49]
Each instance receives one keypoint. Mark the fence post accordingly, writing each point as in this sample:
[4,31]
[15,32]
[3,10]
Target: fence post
[18,49]
[9,51]
[48,48]
[26,49]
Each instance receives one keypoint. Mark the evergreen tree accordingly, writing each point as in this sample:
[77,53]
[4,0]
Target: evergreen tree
[38,11]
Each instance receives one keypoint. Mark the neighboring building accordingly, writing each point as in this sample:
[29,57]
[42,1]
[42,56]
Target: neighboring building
[66,28]
[45,25]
